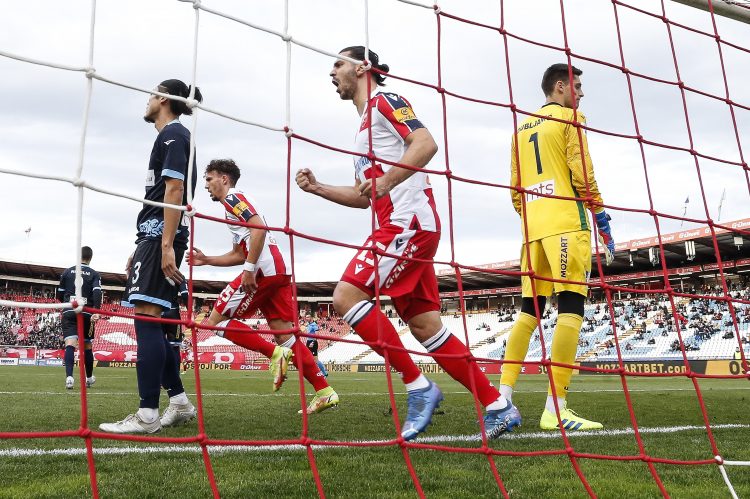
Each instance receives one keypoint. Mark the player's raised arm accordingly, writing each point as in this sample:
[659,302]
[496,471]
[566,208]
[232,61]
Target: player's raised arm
[341,194]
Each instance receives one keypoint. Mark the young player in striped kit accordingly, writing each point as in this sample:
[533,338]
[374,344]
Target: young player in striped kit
[264,284]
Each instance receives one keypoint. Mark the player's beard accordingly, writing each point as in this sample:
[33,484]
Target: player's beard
[346,93]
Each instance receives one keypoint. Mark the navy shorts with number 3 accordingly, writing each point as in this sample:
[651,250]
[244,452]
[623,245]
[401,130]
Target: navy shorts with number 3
[146,281]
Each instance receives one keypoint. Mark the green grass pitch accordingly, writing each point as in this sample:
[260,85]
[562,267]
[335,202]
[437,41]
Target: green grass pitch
[240,405]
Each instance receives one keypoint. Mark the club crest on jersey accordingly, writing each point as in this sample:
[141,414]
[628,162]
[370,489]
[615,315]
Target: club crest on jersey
[404,114]
[152,228]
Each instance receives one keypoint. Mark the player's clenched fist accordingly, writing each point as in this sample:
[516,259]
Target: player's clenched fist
[306,180]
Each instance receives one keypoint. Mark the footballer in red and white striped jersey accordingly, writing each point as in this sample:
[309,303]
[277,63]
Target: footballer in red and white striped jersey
[410,204]
[241,208]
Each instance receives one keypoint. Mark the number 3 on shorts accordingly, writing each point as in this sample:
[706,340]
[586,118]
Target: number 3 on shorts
[136,272]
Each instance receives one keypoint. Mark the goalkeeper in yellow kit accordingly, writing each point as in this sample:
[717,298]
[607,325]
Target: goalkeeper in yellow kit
[550,157]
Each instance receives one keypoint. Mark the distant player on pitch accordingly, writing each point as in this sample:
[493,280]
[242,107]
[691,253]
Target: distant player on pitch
[91,291]
[552,161]
[408,226]
[153,269]
[265,284]
[311,342]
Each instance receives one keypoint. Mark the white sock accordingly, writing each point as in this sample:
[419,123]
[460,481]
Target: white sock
[218,332]
[148,415]
[507,392]
[290,342]
[418,384]
[179,399]
[550,405]
[499,404]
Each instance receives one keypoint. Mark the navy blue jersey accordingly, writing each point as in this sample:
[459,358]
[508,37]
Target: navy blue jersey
[169,160]
[91,288]
[312,345]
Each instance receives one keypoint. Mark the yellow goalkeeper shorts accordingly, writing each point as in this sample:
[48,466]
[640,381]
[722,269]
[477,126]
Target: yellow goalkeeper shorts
[564,256]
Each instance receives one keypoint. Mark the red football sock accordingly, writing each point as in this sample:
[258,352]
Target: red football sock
[460,369]
[367,329]
[250,339]
[305,362]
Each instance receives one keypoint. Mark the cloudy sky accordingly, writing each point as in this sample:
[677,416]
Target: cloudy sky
[241,72]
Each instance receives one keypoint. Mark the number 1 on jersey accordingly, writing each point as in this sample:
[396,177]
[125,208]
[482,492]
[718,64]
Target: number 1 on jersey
[535,139]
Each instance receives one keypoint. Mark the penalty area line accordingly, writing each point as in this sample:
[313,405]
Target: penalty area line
[437,439]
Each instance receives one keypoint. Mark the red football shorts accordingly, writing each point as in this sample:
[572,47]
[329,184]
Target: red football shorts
[273,298]
[411,285]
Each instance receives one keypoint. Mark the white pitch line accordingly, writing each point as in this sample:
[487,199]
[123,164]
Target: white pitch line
[438,439]
[93,392]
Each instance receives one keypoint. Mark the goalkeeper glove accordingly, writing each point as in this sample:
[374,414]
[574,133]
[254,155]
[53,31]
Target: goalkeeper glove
[605,235]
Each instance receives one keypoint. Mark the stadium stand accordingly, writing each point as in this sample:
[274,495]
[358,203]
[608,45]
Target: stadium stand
[646,330]
[645,323]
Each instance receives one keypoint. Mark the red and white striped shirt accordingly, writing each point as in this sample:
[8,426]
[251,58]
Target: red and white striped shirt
[241,208]
[410,204]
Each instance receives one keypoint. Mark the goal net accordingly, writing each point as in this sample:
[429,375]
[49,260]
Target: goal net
[668,114]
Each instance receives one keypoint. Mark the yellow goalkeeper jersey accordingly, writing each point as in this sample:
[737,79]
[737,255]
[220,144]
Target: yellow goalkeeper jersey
[550,155]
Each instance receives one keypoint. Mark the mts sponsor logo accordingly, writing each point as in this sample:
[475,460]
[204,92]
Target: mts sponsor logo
[546,188]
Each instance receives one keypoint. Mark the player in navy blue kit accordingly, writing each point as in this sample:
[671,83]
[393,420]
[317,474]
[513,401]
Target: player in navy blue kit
[153,269]
[91,294]
[312,344]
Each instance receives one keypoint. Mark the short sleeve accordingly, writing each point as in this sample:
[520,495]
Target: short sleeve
[238,205]
[398,112]
[175,149]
